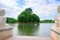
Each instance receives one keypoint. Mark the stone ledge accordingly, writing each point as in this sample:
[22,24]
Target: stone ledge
[56,30]
[28,38]
[55,33]
[4,29]
[5,33]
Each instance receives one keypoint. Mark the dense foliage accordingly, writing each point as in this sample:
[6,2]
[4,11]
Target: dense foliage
[26,16]
[10,20]
[47,21]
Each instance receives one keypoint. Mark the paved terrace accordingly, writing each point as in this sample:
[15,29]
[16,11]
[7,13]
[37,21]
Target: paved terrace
[28,38]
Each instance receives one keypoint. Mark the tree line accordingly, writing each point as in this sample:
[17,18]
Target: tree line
[47,21]
[11,20]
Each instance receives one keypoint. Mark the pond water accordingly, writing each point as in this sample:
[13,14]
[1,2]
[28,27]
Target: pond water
[41,30]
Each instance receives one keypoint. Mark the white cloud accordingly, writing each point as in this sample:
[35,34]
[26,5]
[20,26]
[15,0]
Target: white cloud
[11,6]
[8,3]
[40,7]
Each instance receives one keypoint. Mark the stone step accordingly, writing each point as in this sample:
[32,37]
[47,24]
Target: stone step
[28,38]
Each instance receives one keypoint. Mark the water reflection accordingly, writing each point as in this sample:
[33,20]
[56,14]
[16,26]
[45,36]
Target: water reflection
[27,29]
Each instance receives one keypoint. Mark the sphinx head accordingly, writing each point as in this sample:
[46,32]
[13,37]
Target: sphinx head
[2,12]
[58,9]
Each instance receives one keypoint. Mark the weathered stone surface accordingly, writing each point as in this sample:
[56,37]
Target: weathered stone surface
[2,21]
[5,34]
[57,19]
[58,9]
[55,35]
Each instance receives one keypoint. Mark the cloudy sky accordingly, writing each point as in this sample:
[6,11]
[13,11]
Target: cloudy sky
[45,9]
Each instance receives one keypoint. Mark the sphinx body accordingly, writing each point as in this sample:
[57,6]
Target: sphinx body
[2,18]
[57,19]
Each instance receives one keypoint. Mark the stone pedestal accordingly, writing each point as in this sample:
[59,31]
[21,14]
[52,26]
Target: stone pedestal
[5,29]
[5,33]
[55,33]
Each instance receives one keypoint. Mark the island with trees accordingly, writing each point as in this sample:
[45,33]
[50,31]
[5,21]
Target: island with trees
[27,16]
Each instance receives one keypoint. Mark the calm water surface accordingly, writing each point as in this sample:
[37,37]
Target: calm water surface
[42,29]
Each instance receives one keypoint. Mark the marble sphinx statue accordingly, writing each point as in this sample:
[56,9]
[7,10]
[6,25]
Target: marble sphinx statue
[57,19]
[5,29]
[2,18]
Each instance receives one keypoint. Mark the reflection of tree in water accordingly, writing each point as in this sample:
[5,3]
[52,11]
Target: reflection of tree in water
[27,29]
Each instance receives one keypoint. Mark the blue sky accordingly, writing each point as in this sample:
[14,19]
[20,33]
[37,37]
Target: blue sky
[45,9]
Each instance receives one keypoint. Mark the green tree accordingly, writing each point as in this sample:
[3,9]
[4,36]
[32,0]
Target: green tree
[35,18]
[28,10]
[27,16]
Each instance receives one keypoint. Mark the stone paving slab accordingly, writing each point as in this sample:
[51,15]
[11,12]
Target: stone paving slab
[28,38]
